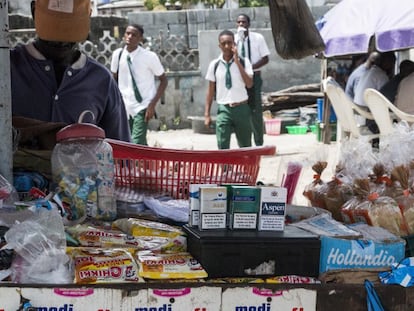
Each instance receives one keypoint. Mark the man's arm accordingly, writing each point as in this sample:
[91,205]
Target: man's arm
[116,55]
[160,90]
[263,61]
[209,101]
[247,79]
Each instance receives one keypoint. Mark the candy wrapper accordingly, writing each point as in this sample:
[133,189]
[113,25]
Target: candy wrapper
[91,236]
[169,266]
[141,227]
[103,265]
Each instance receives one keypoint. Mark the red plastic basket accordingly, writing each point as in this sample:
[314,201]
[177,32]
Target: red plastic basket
[172,171]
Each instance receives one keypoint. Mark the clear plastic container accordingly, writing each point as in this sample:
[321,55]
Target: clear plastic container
[83,173]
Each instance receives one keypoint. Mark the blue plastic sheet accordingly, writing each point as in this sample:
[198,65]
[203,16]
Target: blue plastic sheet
[373,301]
[401,273]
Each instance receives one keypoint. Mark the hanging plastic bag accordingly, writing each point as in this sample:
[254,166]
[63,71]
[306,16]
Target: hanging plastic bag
[373,301]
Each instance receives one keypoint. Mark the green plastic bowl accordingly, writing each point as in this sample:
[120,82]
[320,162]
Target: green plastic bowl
[297,129]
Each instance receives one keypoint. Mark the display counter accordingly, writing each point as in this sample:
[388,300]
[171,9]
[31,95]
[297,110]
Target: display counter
[188,296]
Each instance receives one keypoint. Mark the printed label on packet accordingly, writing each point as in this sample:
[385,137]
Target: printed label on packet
[64,6]
[73,292]
[172,292]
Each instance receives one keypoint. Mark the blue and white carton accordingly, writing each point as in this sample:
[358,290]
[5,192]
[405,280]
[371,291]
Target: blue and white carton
[272,209]
[362,253]
[194,197]
[213,208]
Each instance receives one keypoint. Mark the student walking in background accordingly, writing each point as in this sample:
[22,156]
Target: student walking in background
[252,45]
[228,77]
[136,70]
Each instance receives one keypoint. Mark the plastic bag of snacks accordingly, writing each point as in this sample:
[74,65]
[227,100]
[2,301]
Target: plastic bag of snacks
[381,181]
[403,195]
[315,191]
[338,191]
[376,210]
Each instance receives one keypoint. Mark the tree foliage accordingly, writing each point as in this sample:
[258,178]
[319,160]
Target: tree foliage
[151,4]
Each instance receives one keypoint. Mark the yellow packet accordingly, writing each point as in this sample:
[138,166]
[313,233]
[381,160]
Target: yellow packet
[142,227]
[102,265]
[169,266]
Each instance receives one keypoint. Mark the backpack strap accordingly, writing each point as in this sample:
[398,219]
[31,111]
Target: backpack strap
[119,59]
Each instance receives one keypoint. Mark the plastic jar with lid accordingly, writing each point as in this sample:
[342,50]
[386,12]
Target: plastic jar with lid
[83,173]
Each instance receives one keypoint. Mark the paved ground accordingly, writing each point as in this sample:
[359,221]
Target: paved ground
[297,148]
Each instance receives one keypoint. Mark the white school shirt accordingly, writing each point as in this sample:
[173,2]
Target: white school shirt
[237,93]
[146,66]
[258,47]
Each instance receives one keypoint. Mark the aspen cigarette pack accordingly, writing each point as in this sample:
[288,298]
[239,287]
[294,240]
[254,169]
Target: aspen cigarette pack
[272,209]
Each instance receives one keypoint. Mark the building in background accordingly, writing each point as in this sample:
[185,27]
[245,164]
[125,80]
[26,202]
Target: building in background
[123,7]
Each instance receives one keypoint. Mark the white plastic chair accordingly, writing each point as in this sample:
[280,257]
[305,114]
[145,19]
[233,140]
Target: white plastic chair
[384,111]
[346,111]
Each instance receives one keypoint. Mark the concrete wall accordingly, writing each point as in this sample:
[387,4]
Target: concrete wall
[186,94]
[197,30]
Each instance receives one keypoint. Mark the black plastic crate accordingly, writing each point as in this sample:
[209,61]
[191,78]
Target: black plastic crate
[228,253]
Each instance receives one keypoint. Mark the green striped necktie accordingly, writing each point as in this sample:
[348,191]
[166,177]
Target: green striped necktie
[228,75]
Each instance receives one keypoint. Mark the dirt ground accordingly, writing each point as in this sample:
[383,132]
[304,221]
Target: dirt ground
[304,149]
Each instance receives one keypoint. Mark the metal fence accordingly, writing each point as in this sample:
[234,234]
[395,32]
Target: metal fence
[173,50]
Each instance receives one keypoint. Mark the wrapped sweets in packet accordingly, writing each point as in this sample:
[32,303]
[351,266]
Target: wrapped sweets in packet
[103,265]
[91,236]
[375,210]
[404,195]
[140,227]
[169,266]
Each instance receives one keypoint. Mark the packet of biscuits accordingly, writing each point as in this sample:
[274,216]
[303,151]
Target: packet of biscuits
[103,265]
[316,190]
[169,266]
[400,176]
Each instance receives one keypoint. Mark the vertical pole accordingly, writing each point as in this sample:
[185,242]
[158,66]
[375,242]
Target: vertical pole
[6,145]
[325,127]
